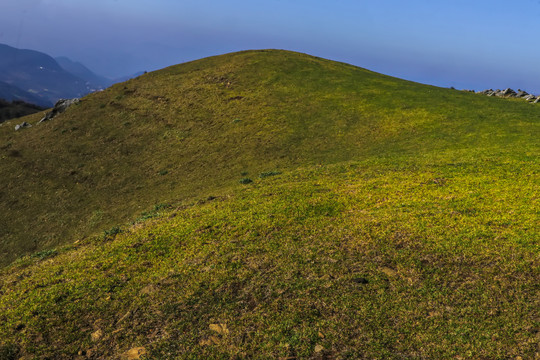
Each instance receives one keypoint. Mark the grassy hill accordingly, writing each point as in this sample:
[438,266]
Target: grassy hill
[385,219]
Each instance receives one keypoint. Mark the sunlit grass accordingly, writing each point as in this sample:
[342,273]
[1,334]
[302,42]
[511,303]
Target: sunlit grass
[383,219]
[365,260]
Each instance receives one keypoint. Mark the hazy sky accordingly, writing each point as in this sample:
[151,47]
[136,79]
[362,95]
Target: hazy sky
[463,43]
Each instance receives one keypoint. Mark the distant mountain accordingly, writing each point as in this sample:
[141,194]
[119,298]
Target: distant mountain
[12,93]
[39,74]
[93,80]
[128,77]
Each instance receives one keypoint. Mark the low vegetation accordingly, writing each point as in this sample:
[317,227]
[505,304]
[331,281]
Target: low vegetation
[382,219]
[392,259]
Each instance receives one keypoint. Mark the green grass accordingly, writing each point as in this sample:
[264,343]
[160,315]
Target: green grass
[169,136]
[389,259]
[384,219]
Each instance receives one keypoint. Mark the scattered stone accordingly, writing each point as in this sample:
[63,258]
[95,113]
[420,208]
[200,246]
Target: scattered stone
[319,348]
[220,329]
[212,340]
[521,93]
[205,342]
[134,354]
[149,289]
[96,335]
[537,100]
[389,271]
[60,106]
[509,93]
[22,126]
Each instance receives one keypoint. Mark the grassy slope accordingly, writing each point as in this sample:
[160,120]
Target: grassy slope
[404,225]
[171,135]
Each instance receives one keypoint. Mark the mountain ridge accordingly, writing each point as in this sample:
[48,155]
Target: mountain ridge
[40,75]
[94,81]
[12,93]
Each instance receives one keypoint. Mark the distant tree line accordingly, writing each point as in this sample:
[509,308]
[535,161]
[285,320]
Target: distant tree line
[16,108]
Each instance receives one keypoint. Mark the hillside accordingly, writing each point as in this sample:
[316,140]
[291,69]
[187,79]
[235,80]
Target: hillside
[385,219]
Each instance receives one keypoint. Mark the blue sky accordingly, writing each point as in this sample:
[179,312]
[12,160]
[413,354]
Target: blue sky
[467,44]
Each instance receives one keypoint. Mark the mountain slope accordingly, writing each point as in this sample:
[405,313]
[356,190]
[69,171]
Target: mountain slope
[38,74]
[94,81]
[193,129]
[12,93]
[384,219]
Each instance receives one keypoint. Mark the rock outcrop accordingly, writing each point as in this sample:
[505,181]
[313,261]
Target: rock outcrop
[509,93]
[60,106]
[22,126]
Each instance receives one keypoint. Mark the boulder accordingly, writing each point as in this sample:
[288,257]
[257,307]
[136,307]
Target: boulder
[22,126]
[521,93]
[60,106]
[508,93]
[488,92]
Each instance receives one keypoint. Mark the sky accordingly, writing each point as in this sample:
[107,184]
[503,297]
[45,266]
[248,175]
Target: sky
[467,44]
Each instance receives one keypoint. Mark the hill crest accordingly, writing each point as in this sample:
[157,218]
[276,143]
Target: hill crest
[193,129]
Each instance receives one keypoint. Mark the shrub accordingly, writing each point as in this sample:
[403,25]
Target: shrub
[269,173]
[245,181]
[115,230]
[152,213]
[44,254]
